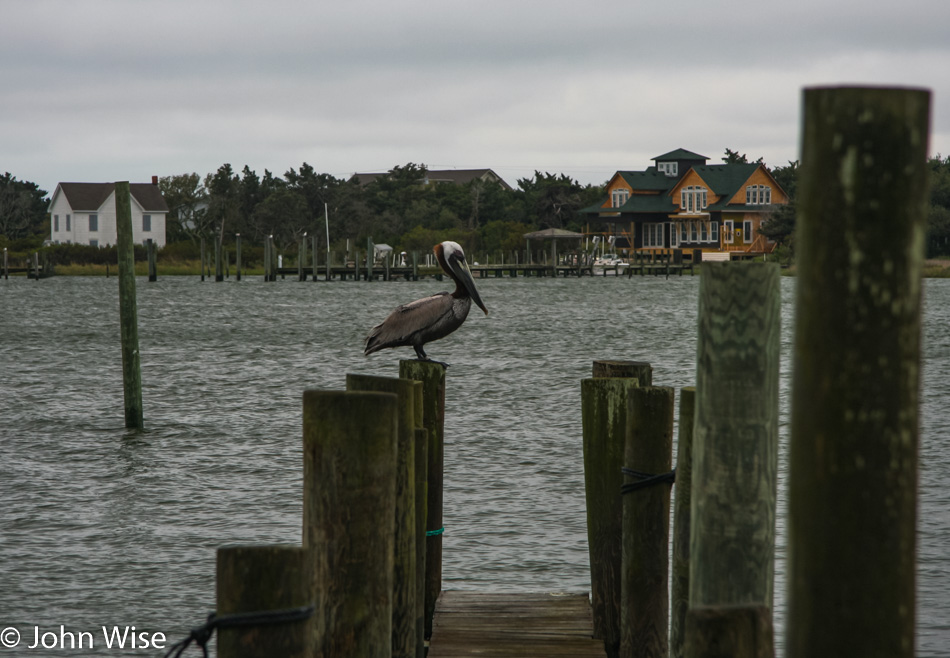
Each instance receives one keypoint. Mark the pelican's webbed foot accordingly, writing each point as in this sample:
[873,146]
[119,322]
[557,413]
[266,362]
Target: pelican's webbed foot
[422,356]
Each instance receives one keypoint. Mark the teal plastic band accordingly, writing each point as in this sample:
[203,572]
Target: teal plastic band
[435,533]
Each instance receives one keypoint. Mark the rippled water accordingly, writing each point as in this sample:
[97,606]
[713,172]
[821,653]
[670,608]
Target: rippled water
[104,526]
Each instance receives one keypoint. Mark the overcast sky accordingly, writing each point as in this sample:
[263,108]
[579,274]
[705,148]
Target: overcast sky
[103,90]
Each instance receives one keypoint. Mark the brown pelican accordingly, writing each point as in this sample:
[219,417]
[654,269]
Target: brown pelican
[430,318]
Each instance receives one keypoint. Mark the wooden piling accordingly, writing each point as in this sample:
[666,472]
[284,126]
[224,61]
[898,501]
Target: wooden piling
[202,259]
[252,579]
[128,311]
[313,256]
[645,599]
[404,534]
[301,257]
[218,259]
[642,371]
[150,254]
[36,265]
[735,441]
[855,394]
[432,376]
[731,631]
[6,264]
[679,587]
[350,443]
[604,420]
[237,255]
[370,253]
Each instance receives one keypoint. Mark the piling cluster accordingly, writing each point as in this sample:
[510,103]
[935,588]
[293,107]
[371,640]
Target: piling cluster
[854,431]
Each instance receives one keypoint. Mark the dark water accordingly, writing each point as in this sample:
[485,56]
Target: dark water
[100,526]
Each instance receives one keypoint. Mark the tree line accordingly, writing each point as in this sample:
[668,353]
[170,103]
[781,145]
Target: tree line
[395,208]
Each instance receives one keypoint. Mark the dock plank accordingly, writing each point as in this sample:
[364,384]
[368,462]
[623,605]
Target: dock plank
[509,625]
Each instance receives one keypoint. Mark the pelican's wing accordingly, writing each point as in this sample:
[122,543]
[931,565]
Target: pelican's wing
[405,325]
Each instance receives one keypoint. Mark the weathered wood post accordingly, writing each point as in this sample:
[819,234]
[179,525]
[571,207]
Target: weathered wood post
[604,420]
[202,267]
[350,443]
[150,250]
[370,257]
[855,394]
[415,265]
[735,441]
[6,264]
[404,534]
[421,449]
[679,586]
[313,255]
[36,265]
[128,311]
[261,579]
[645,598]
[432,376]
[301,257]
[218,259]
[237,255]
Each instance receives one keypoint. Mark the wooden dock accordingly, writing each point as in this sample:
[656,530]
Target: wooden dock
[506,625]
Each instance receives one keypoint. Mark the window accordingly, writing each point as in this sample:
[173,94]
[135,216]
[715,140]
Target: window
[93,243]
[668,168]
[93,223]
[674,235]
[67,222]
[684,236]
[146,223]
[56,223]
[693,199]
[618,197]
[727,231]
[714,226]
[653,235]
[747,231]
[693,232]
[704,231]
[758,195]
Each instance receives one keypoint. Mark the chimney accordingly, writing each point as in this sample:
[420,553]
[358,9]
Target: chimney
[154,180]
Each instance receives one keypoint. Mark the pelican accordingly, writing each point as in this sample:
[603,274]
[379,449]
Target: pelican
[430,318]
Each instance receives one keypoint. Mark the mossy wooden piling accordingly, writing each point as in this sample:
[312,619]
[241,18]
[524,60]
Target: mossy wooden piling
[855,395]
[237,255]
[218,259]
[735,441]
[202,256]
[432,376]
[6,264]
[404,551]
[150,251]
[644,605]
[254,579]
[731,631]
[604,422]
[128,311]
[349,513]
[679,581]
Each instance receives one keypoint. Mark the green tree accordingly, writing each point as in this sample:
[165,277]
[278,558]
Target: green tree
[938,215]
[187,202]
[22,208]
[224,202]
[551,201]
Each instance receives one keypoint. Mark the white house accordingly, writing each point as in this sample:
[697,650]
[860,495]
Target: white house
[84,213]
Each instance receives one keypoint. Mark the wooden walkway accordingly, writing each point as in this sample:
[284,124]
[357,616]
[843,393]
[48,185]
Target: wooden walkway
[513,626]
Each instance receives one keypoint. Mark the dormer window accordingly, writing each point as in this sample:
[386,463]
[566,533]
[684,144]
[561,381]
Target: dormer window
[758,195]
[618,197]
[668,168]
[693,199]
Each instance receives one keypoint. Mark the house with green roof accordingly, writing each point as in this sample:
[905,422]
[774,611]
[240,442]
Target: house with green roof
[683,203]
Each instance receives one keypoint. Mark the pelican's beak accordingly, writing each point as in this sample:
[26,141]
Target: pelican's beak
[465,276]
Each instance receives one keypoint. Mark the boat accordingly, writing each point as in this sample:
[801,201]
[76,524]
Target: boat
[609,262]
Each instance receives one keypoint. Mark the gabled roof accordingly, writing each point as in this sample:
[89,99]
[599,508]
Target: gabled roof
[680,154]
[724,180]
[88,197]
[457,176]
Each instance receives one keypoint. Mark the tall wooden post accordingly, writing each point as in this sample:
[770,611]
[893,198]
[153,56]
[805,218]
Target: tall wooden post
[218,259]
[202,267]
[735,442]
[645,598]
[301,257]
[604,420]
[350,443]
[6,264]
[679,586]
[255,579]
[128,311]
[432,376]
[369,258]
[237,255]
[404,534]
[313,255]
[421,450]
[150,250]
[855,394]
